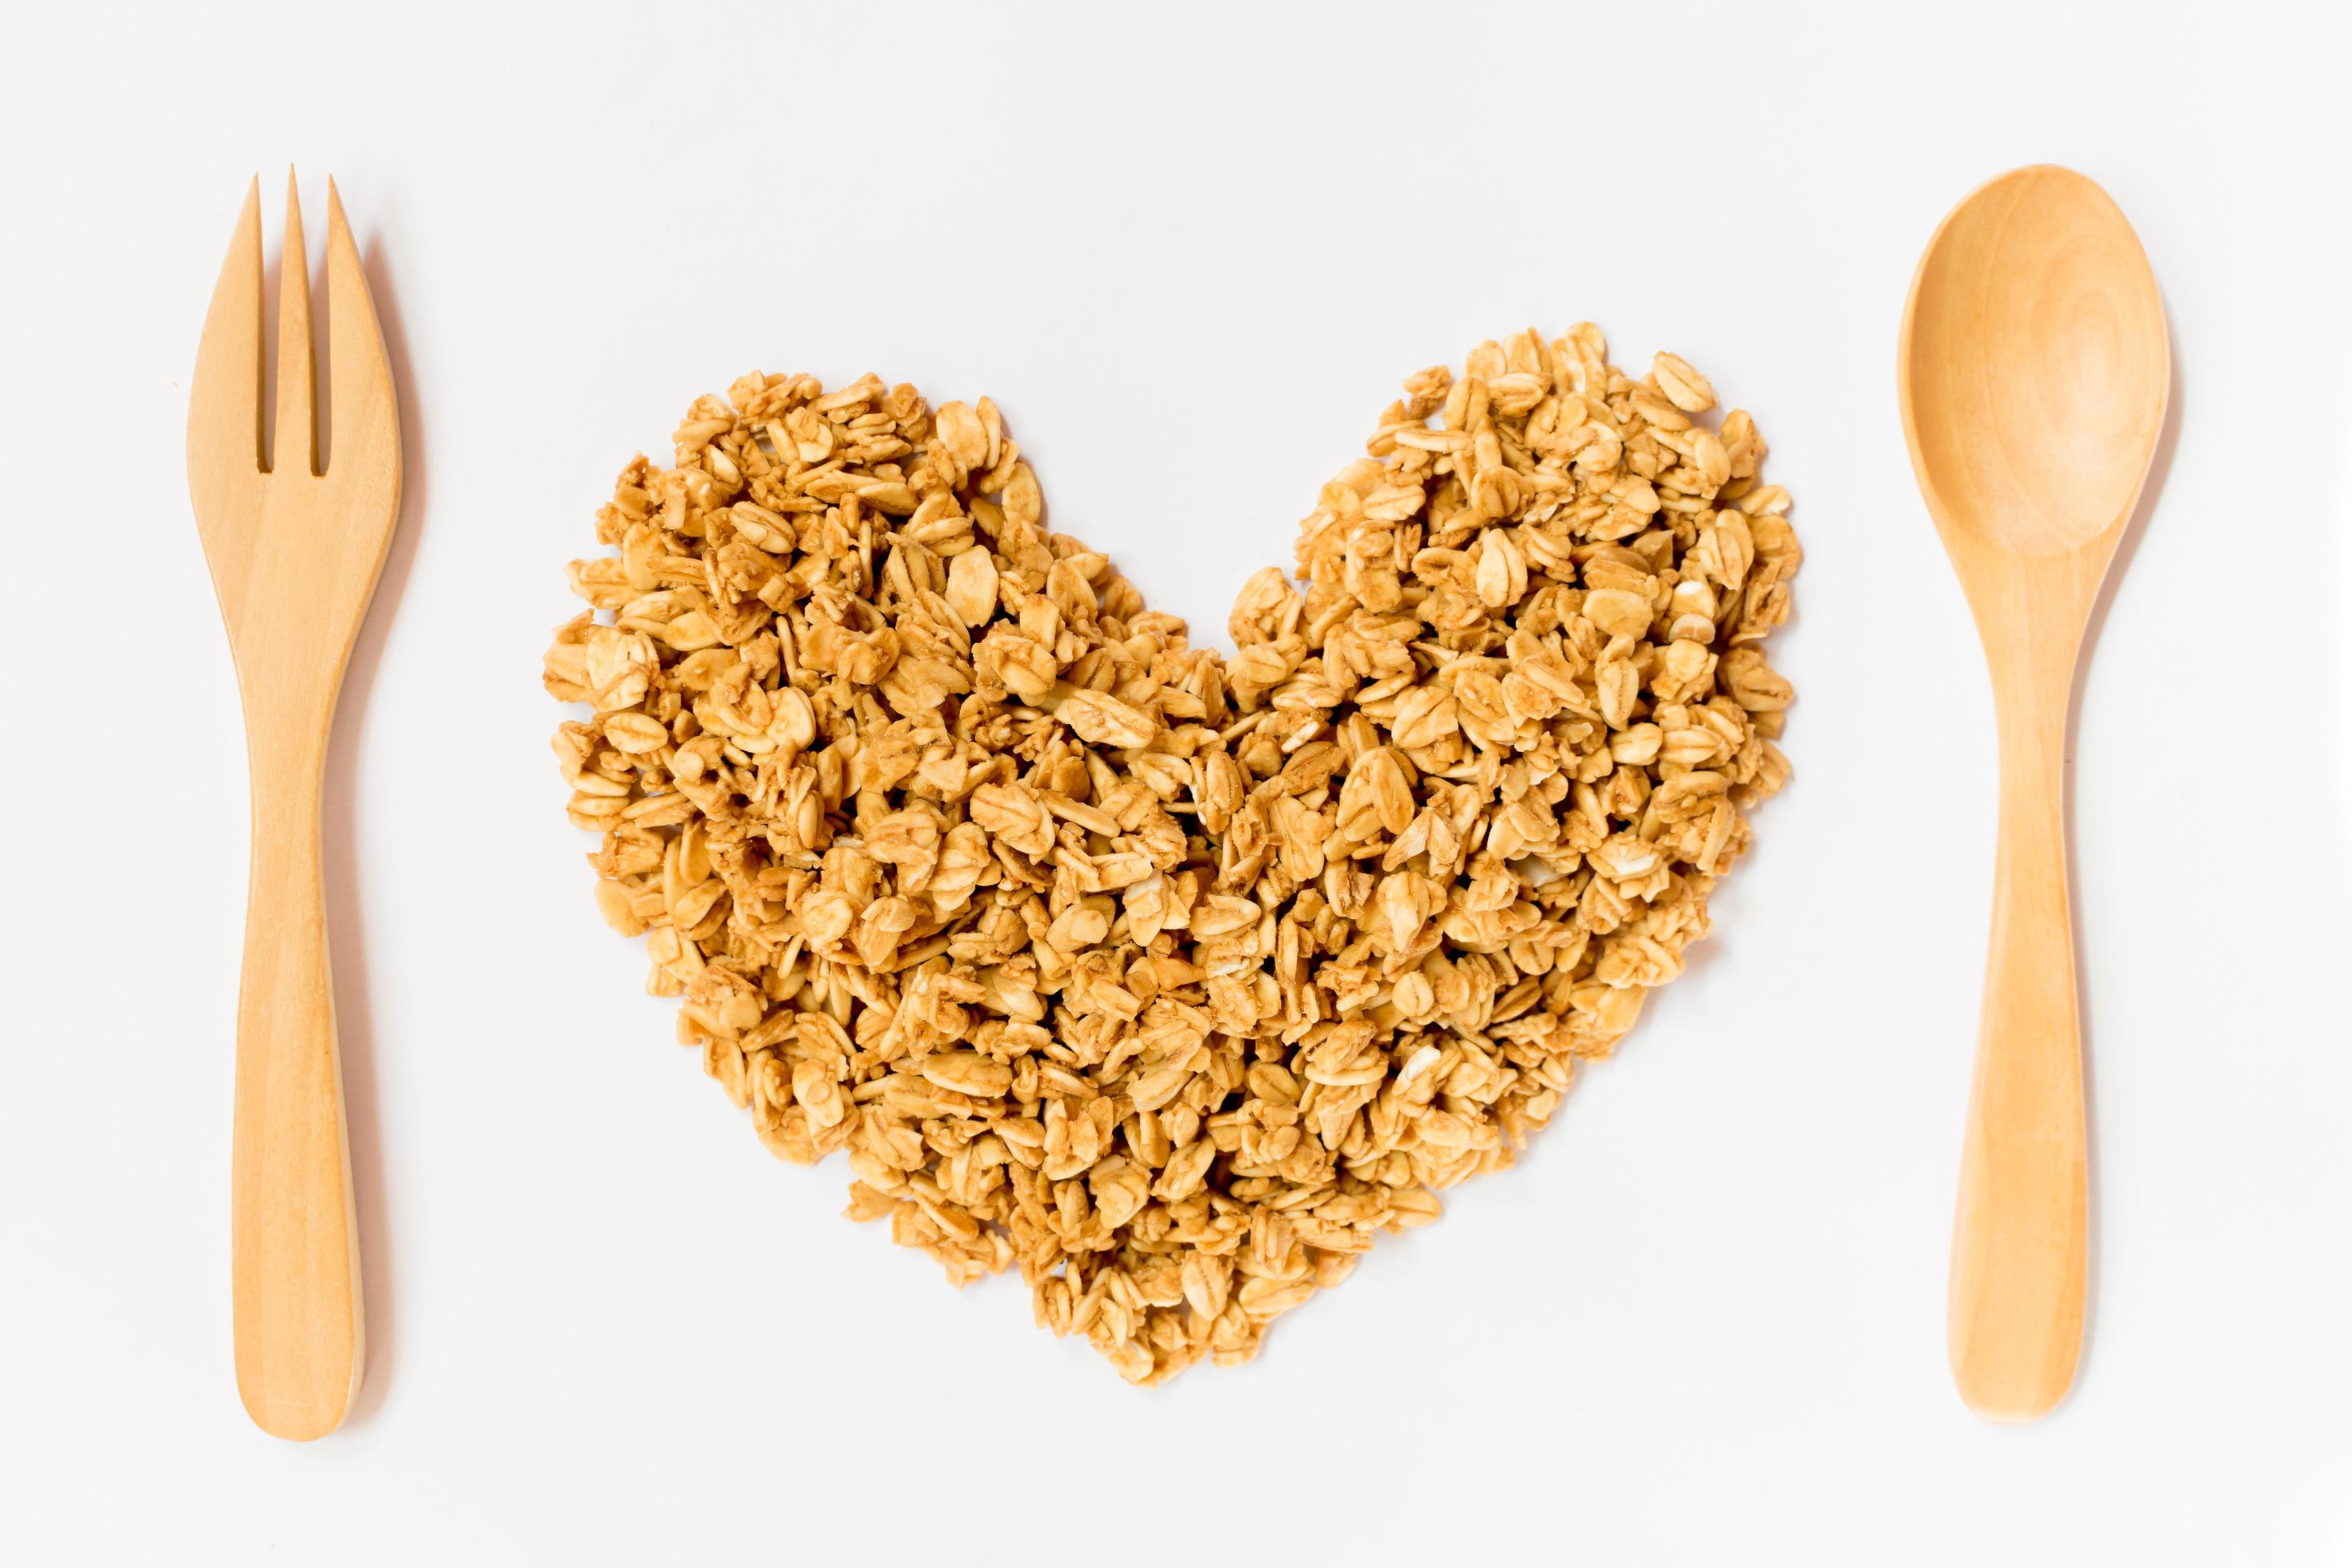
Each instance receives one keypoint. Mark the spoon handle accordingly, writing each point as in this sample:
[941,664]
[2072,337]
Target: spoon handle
[2020,1242]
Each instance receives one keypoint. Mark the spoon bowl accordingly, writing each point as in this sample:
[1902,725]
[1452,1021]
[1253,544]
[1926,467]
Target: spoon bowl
[2035,370]
[2035,365]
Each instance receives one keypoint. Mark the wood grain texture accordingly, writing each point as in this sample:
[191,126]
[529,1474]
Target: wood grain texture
[294,554]
[2034,372]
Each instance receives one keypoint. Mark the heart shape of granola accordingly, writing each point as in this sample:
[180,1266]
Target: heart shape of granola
[1170,978]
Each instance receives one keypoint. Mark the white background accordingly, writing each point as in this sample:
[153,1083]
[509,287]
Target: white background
[1190,255]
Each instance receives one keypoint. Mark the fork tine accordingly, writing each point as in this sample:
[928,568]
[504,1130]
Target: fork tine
[296,450]
[224,398]
[359,376]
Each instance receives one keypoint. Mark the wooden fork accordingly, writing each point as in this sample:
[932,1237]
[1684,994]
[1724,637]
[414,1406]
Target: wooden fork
[294,553]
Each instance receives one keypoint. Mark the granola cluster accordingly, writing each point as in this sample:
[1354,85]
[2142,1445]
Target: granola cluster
[1169,979]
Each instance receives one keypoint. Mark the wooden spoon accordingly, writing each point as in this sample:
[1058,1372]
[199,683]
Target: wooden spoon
[2034,371]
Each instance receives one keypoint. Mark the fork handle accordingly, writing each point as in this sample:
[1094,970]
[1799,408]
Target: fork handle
[2020,1243]
[293,1241]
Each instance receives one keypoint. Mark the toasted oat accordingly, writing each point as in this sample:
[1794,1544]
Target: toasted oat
[1168,979]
